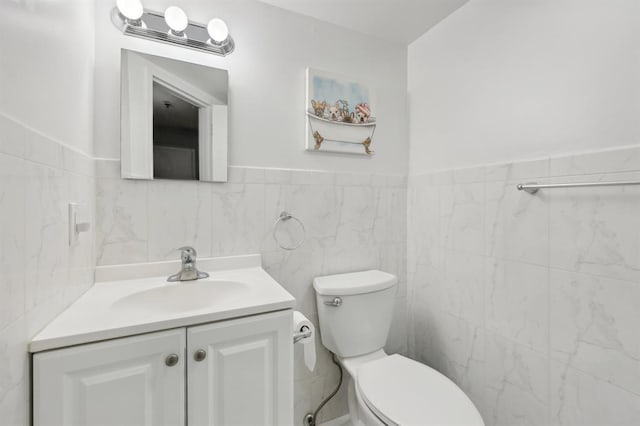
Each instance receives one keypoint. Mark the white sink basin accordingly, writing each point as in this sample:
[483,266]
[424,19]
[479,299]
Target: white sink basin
[135,299]
[183,296]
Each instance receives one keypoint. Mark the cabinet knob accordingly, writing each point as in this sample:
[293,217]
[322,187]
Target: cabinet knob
[200,355]
[171,360]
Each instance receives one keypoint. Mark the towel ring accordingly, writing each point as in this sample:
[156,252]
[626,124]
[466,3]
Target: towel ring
[284,217]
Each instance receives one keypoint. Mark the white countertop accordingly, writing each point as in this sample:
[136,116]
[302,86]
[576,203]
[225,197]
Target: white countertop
[99,313]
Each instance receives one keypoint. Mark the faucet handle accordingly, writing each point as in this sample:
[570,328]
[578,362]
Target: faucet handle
[189,250]
[188,254]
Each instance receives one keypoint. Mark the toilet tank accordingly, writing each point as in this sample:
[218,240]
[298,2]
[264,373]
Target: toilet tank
[359,320]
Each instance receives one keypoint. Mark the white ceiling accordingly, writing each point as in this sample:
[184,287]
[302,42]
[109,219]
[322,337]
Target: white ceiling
[402,20]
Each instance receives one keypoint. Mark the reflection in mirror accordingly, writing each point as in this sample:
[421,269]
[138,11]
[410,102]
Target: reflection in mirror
[175,135]
[174,119]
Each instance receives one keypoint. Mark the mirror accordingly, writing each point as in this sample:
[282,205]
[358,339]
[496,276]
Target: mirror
[173,119]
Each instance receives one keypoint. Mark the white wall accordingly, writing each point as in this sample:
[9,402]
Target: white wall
[529,302]
[355,219]
[501,80]
[46,68]
[46,102]
[267,84]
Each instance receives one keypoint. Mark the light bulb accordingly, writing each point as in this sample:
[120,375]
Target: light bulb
[130,9]
[218,30]
[176,19]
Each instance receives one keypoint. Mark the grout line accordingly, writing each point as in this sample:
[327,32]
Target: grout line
[549,201]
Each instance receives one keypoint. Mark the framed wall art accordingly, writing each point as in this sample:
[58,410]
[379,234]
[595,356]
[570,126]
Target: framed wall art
[340,116]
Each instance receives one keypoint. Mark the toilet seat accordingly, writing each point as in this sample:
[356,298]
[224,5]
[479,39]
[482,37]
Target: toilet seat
[404,392]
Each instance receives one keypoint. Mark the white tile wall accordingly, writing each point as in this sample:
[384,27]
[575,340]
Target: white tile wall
[530,303]
[353,222]
[41,275]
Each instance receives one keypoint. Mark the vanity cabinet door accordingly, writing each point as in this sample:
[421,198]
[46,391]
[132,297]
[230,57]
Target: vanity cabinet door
[240,372]
[130,381]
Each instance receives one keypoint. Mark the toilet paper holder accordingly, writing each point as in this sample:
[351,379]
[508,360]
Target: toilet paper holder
[304,333]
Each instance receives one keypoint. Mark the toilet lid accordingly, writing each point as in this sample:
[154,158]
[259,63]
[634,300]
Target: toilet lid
[404,392]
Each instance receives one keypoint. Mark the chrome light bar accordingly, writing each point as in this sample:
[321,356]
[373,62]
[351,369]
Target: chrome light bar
[152,25]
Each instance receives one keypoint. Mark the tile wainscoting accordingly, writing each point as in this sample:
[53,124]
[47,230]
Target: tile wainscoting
[41,275]
[530,302]
[353,222]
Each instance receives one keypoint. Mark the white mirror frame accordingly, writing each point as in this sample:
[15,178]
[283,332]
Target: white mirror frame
[137,121]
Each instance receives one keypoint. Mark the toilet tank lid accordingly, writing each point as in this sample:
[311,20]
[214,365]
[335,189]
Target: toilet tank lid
[354,283]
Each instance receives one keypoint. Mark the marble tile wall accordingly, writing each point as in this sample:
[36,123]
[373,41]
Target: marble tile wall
[530,302]
[353,222]
[40,275]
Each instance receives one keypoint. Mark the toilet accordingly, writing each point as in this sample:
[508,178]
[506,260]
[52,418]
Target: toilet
[355,312]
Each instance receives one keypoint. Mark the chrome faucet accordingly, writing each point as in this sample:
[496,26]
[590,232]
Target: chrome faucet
[188,271]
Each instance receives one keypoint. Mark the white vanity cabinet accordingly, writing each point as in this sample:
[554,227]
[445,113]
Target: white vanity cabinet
[118,382]
[233,372]
[246,377]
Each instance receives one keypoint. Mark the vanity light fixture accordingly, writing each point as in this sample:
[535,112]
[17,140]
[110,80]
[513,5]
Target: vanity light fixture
[177,20]
[131,10]
[173,27]
[218,31]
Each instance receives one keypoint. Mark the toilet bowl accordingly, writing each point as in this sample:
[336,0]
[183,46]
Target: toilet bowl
[355,312]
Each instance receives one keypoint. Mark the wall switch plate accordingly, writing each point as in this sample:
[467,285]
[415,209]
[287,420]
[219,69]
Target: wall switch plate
[76,227]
